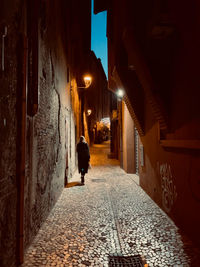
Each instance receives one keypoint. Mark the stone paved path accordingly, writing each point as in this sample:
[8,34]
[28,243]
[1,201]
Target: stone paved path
[110,215]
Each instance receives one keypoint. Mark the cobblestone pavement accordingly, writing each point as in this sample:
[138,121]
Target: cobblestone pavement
[110,215]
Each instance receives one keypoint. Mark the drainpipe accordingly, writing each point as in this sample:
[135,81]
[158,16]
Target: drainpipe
[21,144]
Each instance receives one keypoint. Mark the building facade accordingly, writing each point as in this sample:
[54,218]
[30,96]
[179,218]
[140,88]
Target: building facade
[96,98]
[153,56]
[43,46]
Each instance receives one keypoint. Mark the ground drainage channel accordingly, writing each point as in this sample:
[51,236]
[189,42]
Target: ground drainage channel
[119,260]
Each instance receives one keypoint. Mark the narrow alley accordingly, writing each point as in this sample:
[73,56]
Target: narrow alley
[100,70]
[109,216]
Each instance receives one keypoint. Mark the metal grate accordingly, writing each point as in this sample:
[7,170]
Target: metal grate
[98,180]
[129,261]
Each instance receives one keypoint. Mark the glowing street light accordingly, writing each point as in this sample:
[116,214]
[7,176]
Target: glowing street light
[120,93]
[89,111]
[87,80]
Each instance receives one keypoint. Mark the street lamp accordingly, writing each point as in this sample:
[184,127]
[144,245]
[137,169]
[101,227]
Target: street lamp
[89,111]
[87,80]
[120,93]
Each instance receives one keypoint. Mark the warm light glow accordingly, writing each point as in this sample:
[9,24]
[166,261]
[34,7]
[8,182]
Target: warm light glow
[87,80]
[89,111]
[120,93]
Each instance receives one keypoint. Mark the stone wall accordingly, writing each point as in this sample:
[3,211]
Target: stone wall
[37,144]
[47,128]
[9,80]
[47,131]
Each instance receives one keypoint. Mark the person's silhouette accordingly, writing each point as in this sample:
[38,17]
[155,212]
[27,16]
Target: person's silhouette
[83,157]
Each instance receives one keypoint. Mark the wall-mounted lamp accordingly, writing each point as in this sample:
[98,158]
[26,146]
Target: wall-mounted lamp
[89,112]
[120,93]
[87,80]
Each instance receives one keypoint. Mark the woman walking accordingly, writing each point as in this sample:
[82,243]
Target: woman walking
[83,157]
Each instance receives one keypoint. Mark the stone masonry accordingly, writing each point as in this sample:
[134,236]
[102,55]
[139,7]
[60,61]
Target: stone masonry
[47,131]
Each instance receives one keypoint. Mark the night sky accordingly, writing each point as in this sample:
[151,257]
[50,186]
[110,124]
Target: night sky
[99,39]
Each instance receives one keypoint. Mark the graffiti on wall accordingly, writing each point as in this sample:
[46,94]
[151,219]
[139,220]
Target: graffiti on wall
[169,193]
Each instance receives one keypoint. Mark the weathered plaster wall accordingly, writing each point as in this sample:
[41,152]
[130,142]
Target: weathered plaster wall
[71,144]
[74,129]
[170,177]
[171,174]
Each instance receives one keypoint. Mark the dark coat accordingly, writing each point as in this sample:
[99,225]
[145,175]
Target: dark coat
[83,156]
